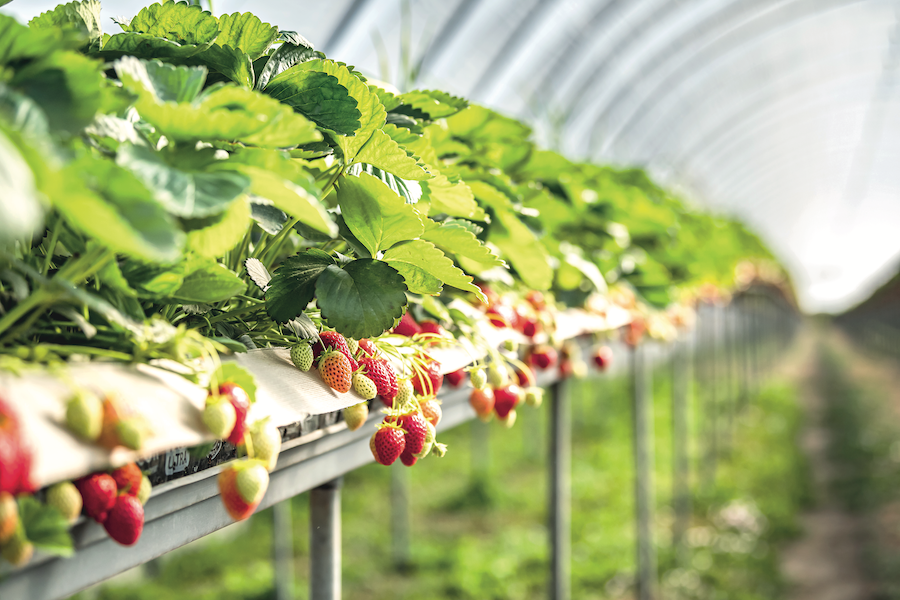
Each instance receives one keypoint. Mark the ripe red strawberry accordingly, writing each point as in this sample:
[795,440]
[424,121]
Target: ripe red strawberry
[408,458]
[387,443]
[242,485]
[483,402]
[524,376]
[431,410]
[603,357]
[565,368]
[98,495]
[333,340]
[530,327]
[500,315]
[431,327]
[432,370]
[241,403]
[542,357]
[634,332]
[382,374]
[15,457]
[407,326]
[455,378]
[368,347]
[125,521]
[416,428]
[506,399]
[335,371]
[128,479]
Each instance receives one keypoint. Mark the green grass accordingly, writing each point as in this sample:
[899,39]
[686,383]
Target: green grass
[478,524]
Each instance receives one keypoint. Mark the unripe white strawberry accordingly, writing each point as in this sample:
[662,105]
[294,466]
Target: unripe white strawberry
[498,375]
[356,415]
[144,491]
[64,497]
[405,392]
[478,378]
[302,356]
[264,443]
[534,396]
[84,415]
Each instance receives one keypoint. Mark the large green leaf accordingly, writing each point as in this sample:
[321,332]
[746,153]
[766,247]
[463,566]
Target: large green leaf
[111,206]
[247,33]
[45,527]
[422,264]
[233,63]
[84,17]
[430,104]
[211,282]
[20,211]
[223,233]
[293,284]
[184,193]
[177,21]
[455,238]
[18,42]
[286,56]
[66,85]
[160,81]
[383,152]
[153,281]
[454,199]
[377,216]
[317,95]
[522,249]
[362,299]
[291,198]
[146,45]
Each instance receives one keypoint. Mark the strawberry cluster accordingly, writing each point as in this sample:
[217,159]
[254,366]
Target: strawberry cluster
[110,422]
[114,499]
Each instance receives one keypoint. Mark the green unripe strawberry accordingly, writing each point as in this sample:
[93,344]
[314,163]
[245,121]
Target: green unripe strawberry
[17,549]
[132,432]
[219,417]
[478,378]
[364,386]
[353,345]
[144,491]
[534,396]
[405,392]
[510,345]
[84,415]
[498,376]
[264,443]
[252,482]
[356,415]
[302,356]
[9,516]
[65,498]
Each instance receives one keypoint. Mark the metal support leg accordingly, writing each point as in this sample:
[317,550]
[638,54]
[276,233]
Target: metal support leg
[283,550]
[560,493]
[681,494]
[325,541]
[643,480]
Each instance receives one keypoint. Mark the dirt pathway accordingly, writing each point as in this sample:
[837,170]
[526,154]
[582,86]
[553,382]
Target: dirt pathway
[825,564]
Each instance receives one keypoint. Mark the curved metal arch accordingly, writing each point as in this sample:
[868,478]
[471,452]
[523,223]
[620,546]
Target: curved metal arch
[677,78]
[730,118]
[443,39]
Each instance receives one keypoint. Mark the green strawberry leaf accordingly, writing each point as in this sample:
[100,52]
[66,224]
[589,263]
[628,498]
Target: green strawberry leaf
[245,31]
[145,45]
[83,17]
[231,372]
[183,193]
[317,95]
[362,299]
[522,249]
[421,264]
[293,284]
[430,104]
[386,154]
[45,527]
[293,199]
[377,216]
[111,206]
[455,238]
[211,282]
[176,21]
[217,235]
[21,212]
[286,56]
[233,63]
[162,81]
[454,199]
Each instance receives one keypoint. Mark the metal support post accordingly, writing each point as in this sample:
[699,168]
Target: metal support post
[642,411]
[560,493]
[283,549]
[710,407]
[400,515]
[681,489]
[325,541]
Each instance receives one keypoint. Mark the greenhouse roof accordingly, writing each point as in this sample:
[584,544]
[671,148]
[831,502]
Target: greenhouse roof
[782,112]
